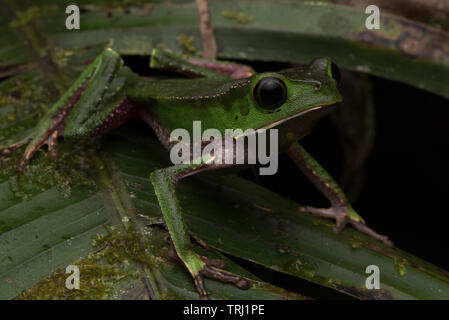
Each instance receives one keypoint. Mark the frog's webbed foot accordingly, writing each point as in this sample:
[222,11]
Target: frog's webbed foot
[214,268]
[211,268]
[340,210]
[50,138]
[342,217]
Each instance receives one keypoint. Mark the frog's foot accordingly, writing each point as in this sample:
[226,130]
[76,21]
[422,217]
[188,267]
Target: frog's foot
[344,215]
[34,143]
[214,268]
[202,266]
[51,140]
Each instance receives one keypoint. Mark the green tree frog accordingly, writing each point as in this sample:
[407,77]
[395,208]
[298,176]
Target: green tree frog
[222,96]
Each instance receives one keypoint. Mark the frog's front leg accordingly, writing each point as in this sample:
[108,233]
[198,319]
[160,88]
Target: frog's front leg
[95,102]
[164,182]
[340,210]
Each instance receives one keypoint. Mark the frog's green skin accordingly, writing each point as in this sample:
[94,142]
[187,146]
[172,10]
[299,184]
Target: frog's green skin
[107,94]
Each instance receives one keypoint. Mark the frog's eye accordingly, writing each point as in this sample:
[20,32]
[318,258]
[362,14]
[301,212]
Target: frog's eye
[270,93]
[335,70]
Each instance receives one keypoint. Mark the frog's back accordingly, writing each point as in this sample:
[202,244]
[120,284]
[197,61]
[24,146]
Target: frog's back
[176,103]
[167,90]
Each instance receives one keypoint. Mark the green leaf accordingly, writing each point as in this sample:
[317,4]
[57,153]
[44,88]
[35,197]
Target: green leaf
[95,207]
[247,221]
[290,31]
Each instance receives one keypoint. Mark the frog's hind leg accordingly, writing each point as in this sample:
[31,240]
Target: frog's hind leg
[340,210]
[124,112]
[164,182]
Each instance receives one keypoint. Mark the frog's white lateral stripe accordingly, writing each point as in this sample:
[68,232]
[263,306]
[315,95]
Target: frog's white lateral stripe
[275,124]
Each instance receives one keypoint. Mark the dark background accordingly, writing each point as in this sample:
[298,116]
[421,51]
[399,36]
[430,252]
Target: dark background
[405,191]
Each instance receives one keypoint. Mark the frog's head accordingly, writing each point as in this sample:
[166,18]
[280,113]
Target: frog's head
[302,93]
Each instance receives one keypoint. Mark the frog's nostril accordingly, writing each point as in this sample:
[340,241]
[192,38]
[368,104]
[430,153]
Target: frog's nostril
[335,70]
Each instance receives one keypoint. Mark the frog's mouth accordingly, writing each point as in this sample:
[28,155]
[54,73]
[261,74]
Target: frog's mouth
[274,124]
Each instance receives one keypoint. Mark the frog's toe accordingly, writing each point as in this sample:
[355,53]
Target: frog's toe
[341,218]
[50,139]
[362,227]
[329,213]
[6,151]
[35,145]
[214,268]
[34,140]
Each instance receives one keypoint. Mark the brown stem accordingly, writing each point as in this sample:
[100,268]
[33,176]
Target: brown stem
[207,33]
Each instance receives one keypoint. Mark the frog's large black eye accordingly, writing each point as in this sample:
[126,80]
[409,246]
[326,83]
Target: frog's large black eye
[270,93]
[336,72]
